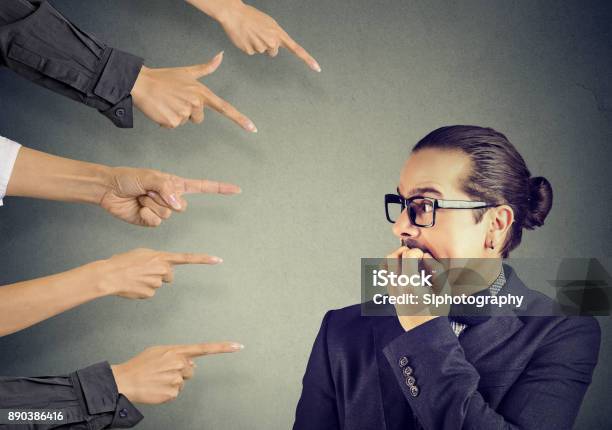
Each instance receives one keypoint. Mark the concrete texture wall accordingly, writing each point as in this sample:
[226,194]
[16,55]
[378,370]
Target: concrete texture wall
[329,146]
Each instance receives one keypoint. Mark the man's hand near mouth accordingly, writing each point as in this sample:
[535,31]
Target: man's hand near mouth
[410,261]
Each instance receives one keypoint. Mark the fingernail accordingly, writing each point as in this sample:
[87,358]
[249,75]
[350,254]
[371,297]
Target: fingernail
[191,363]
[237,346]
[220,54]
[251,127]
[174,202]
[151,194]
[239,190]
[315,66]
[217,260]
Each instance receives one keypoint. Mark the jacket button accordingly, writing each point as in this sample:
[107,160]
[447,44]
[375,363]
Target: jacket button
[414,390]
[120,112]
[410,381]
[407,371]
[403,361]
[123,413]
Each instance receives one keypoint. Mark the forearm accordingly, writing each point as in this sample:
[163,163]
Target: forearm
[44,176]
[26,303]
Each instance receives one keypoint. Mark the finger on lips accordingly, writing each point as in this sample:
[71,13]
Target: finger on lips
[412,253]
[398,252]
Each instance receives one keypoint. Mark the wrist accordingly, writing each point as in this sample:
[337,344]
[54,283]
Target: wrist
[139,90]
[100,181]
[216,9]
[121,380]
[97,272]
[85,279]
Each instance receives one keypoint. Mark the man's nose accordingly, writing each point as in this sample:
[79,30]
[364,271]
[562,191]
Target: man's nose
[403,227]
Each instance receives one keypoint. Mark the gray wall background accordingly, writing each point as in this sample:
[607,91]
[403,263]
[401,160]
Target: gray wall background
[329,146]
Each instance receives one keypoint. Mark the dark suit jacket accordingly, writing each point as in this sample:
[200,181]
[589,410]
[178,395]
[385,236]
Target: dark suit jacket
[506,372]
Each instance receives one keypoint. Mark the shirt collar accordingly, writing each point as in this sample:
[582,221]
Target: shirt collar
[468,320]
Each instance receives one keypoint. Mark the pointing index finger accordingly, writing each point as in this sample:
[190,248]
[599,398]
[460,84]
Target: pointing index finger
[204,186]
[299,52]
[190,258]
[201,349]
[226,109]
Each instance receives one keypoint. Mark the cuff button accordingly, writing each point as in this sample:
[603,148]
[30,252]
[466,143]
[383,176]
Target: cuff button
[414,391]
[410,381]
[403,362]
[407,371]
[123,413]
[120,112]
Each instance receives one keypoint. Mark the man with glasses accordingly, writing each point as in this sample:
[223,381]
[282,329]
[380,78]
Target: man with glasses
[465,193]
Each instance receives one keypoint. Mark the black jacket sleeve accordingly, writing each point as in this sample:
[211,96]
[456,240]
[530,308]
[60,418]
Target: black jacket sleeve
[38,43]
[87,398]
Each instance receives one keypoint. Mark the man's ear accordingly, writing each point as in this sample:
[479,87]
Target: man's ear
[501,220]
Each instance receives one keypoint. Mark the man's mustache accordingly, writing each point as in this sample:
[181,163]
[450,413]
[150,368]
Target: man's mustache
[411,243]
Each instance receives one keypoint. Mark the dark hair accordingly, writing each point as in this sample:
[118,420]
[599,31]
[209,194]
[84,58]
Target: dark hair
[498,176]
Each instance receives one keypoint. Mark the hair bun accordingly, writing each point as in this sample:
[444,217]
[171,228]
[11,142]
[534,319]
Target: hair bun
[540,202]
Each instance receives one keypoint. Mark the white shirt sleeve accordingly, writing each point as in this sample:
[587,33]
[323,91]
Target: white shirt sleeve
[8,155]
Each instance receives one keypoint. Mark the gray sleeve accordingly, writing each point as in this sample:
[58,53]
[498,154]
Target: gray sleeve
[88,399]
[40,44]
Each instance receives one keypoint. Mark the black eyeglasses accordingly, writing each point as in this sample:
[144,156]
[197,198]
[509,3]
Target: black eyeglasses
[422,210]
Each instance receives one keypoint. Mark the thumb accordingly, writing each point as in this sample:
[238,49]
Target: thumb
[164,186]
[201,70]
